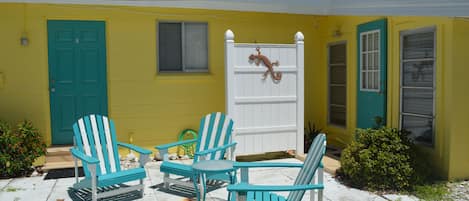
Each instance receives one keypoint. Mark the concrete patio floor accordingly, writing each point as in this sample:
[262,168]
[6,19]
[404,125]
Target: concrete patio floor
[36,188]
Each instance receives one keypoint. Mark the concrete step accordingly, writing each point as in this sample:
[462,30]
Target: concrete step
[58,154]
[63,150]
[59,157]
[59,165]
[331,165]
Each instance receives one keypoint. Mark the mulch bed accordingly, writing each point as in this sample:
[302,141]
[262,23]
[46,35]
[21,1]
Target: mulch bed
[263,157]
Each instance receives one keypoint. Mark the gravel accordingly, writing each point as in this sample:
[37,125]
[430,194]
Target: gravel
[458,190]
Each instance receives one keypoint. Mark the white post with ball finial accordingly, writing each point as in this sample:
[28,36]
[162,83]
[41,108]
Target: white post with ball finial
[229,82]
[299,40]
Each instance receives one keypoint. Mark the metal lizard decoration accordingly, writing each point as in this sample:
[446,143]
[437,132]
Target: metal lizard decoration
[276,76]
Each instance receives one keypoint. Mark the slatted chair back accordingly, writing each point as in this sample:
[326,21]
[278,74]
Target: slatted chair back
[214,131]
[311,164]
[95,135]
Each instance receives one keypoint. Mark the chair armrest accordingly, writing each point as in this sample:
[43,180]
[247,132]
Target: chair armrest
[83,157]
[208,151]
[262,165]
[166,146]
[135,148]
[243,187]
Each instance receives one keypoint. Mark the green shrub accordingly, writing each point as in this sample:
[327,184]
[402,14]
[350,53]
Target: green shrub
[19,148]
[379,159]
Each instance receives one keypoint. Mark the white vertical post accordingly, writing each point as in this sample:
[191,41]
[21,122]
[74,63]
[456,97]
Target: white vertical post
[94,190]
[300,109]
[312,192]
[320,181]
[229,79]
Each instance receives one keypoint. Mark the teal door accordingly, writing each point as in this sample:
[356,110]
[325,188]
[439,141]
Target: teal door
[372,60]
[77,74]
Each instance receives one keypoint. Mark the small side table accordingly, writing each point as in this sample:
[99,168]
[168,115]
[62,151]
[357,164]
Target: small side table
[204,167]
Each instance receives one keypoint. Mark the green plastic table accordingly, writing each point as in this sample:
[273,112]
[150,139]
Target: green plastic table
[204,167]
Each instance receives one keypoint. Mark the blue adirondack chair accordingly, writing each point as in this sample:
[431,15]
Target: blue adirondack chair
[212,143]
[304,180]
[96,146]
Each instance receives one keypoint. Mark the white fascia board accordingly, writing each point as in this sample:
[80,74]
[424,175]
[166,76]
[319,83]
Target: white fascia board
[312,7]
[231,5]
[406,11]
[450,8]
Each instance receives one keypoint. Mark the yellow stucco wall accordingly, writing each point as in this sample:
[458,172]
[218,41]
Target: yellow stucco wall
[439,154]
[457,105]
[151,107]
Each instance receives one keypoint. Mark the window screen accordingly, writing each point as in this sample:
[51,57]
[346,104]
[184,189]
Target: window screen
[417,84]
[337,84]
[370,61]
[182,47]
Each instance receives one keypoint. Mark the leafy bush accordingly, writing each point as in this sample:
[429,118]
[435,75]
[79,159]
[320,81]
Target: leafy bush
[19,148]
[379,159]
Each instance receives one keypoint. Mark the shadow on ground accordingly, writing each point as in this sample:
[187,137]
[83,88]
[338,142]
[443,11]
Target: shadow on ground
[85,194]
[188,192]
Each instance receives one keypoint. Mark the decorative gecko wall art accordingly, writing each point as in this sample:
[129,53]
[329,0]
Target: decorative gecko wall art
[276,76]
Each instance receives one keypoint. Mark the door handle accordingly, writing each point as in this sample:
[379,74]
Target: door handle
[52,83]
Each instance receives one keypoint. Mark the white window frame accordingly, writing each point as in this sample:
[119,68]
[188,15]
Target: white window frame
[361,61]
[329,104]
[183,68]
[401,87]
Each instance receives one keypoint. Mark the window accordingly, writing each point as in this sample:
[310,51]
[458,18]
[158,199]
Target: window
[337,84]
[369,61]
[418,84]
[182,47]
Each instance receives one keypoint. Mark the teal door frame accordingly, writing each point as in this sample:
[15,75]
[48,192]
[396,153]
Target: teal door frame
[77,74]
[371,82]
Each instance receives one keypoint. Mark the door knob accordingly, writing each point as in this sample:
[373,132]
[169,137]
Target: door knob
[52,89]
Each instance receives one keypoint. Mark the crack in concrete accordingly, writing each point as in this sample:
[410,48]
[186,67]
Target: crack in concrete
[52,190]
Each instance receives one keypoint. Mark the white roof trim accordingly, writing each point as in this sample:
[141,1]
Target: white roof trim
[232,5]
[314,7]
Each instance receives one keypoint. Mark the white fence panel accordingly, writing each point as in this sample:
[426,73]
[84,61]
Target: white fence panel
[268,114]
